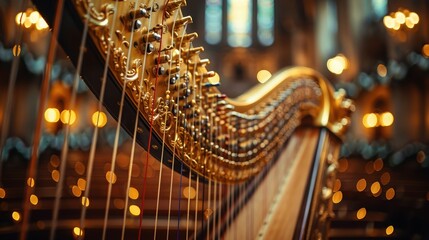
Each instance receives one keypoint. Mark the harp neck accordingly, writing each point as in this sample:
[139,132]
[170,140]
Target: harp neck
[152,58]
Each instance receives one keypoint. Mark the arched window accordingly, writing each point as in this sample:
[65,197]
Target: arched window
[266,22]
[213,21]
[240,21]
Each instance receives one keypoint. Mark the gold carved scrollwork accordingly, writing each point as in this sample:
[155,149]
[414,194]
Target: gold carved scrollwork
[132,73]
[178,141]
[277,106]
[165,118]
[96,17]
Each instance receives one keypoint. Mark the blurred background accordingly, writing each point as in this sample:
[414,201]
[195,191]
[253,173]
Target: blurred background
[377,50]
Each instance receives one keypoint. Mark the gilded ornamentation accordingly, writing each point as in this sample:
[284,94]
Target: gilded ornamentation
[202,128]
[96,17]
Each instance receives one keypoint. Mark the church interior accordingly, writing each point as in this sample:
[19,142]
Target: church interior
[75,163]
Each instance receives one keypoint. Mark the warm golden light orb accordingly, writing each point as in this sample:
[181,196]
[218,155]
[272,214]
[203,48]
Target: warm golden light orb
[133,193]
[389,230]
[68,117]
[337,64]
[381,70]
[390,194]
[16,216]
[110,177]
[2,193]
[361,185]
[30,182]
[388,21]
[337,197]
[20,18]
[375,188]
[134,210]
[263,76]
[361,213]
[425,50]
[55,175]
[370,120]
[34,199]
[189,192]
[52,115]
[99,119]
[386,119]
[77,232]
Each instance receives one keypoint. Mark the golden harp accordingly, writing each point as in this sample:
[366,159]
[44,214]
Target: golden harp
[258,166]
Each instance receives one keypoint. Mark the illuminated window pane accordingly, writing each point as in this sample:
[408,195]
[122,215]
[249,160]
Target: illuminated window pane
[239,23]
[265,22]
[379,7]
[213,22]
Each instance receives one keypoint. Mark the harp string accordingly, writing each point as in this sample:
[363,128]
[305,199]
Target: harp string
[135,136]
[116,146]
[229,186]
[214,209]
[244,189]
[234,188]
[11,88]
[230,206]
[196,206]
[181,169]
[203,200]
[213,139]
[136,120]
[174,147]
[198,176]
[96,127]
[150,123]
[217,200]
[189,177]
[208,210]
[188,209]
[219,226]
[6,121]
[163,138]
[180,198]
[65,148]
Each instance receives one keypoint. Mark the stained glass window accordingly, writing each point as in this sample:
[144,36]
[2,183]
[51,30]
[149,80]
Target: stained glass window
[240,21]
[265,19]
[213,23]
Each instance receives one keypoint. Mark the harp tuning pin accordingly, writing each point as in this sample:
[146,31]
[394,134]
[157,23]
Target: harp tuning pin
[216,96]
[187,53]
[150,37]
[158,70]
[162,59]
[204,75]
[131,19]
[182,94]
[209,84]
[171,6]
[179,86]
[181,22]
[175,55]
[173,79]
[188,37]
[139,13]
[200,63]
[173,70]
[132,25]
[145,48]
